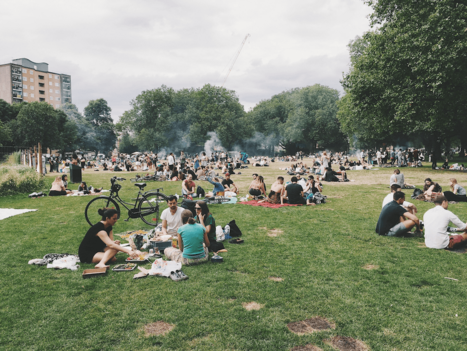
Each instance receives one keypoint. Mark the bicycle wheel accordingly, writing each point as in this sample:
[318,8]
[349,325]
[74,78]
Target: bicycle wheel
[92,217]
[149,207]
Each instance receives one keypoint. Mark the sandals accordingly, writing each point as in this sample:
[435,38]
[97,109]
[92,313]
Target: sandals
[178,275]
[236,241]
[182,275]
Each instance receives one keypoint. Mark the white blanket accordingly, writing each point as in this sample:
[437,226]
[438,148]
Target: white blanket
[163,268]
[10,212]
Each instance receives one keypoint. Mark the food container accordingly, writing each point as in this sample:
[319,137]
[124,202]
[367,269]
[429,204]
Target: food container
[127,267]
[88,273]
[217,259]
[174,242]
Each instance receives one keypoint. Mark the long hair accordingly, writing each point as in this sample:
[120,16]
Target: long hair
[426,186]
[204,208]
[261,179]
[453,182]
[187,217]
[58,179]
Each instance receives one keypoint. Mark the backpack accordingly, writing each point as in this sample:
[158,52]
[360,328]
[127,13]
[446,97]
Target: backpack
[200,192]
[416,193]
[189,205]
[234,229]
[319,198]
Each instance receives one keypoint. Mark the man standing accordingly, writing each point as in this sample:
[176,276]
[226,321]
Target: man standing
[293,193]
[436,226]
[171,161]
[392,220]
[399,158]
[171,217]
[378,157]
[229,185]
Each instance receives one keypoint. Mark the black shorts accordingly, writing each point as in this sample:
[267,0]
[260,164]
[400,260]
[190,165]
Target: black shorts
[255,192]
[56,193]
[171,167]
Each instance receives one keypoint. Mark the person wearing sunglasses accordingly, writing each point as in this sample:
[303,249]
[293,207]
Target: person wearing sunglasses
[205,218]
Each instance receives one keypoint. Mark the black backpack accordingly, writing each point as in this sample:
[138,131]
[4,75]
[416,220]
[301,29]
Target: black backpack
[416,193]
[234,229]
[200,192]
[189,205]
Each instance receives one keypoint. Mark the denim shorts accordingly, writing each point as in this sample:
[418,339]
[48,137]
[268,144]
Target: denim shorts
[398,230]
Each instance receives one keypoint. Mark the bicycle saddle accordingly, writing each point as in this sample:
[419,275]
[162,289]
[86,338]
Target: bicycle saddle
[140,185]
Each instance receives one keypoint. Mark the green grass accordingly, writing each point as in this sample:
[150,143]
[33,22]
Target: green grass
[405,304]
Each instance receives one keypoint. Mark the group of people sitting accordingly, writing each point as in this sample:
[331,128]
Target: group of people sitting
[60,187]
[398,217]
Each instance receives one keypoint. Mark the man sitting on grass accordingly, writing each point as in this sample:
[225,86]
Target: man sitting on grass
[395,220]
[390,197]
[189,186]
[436,226]
[229,185]
[171,217]
[293,193]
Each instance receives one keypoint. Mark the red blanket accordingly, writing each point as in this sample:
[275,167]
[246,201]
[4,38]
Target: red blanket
[265,204]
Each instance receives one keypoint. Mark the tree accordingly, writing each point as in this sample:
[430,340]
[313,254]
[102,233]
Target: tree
[100,135]
[5,134]
[410,78]
[126,144]
[7,113]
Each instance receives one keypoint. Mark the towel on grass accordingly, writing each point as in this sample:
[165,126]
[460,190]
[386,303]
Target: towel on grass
[265,204]
[10,212]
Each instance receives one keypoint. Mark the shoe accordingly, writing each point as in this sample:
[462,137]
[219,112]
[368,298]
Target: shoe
[182,275]
[422,225]
[237,241]
[174,276]
[32,195]
[417,234]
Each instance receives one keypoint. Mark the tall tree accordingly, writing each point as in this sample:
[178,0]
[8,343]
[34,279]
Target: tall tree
[101,136]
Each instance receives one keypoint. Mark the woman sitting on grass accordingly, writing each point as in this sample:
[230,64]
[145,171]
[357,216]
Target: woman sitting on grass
[431,189]
[277,190]
[257,186]
[205,218]
[191,237]
[98,245]
[218,190]
[457,192]
[58,188]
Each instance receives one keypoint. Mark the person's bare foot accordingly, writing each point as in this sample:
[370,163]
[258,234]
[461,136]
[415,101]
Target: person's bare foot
[312,204]
[101,265]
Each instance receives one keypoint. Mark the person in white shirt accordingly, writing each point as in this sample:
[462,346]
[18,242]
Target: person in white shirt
[436,223]
[171,217]
[171,161]
[378,157]
[410,207]
[301,181]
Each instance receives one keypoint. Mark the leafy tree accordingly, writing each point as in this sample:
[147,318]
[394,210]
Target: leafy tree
[410,78]
[126,144]
[7,113]
[100,132]
[5,134]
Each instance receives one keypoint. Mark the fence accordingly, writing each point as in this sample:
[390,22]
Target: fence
[28,156]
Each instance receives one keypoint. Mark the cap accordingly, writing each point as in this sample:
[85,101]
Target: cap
[227,174]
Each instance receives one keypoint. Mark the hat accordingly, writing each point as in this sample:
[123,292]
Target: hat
[227,174]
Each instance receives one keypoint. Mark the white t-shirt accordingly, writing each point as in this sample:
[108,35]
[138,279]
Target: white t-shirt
[390,197]
[436,223]
[378,154]
[302,182]
[170,160]
[173,221]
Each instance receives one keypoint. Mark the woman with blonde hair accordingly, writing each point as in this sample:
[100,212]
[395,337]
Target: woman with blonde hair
[457,192]
[58,188]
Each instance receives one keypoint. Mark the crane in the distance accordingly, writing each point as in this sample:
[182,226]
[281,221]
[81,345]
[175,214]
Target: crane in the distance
[235,59]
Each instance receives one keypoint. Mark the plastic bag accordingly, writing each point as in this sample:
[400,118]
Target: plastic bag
[220,236]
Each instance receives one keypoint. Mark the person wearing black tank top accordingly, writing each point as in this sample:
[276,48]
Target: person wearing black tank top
[98,245]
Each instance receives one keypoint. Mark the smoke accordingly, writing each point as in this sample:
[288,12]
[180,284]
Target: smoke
[162,154]
[213,144]
[258,145]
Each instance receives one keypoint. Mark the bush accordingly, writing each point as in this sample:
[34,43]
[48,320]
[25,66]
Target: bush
[14,158]
[19,180]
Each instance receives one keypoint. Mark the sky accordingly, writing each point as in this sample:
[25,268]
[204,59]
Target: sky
[115,49]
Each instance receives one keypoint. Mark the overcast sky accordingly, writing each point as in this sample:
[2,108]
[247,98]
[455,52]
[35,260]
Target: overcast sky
[116,49]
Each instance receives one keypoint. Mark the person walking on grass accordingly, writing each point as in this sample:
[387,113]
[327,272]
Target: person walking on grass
[395,220]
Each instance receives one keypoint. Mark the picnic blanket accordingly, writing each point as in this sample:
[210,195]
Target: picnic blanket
[10,212]
[265,204]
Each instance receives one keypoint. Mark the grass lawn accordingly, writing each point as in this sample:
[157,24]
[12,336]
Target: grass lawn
[404,303]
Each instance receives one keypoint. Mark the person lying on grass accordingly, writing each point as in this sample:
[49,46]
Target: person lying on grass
[191,237]
[436,222]
[98,245]
[293,193]
[395,220]
[390,197]
[277,190]
[431,189]
[457,192]
[58,188]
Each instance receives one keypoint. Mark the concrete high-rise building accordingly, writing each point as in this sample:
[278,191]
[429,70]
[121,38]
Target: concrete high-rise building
[24,80]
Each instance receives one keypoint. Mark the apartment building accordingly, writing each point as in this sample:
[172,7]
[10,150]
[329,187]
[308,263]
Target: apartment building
[25,80]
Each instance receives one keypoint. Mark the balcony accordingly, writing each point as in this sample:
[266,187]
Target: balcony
[41,85]
[41,99]
[41,77]
[42,92]
[66,86]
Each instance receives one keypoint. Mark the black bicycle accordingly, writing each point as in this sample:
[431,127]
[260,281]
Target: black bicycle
[146,204]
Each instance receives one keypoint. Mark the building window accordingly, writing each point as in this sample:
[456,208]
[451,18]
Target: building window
[31,80]
[50,76]
[51,90]
[32,87]
[25,94]
[41,84]
[25,86]
[25,70]
[57,91]
[51,98]
[58,99]
[41,99]
[31,71]
[42,92]
[57,85]
[57,77]
[50,83]
[25,79]
[32,95]
[41,77]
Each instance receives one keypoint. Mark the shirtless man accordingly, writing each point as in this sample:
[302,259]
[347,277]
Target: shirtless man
[277,190]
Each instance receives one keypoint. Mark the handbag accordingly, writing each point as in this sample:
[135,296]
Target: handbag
[234,229]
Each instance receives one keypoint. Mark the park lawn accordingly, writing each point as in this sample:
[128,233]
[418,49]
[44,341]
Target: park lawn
[404,304]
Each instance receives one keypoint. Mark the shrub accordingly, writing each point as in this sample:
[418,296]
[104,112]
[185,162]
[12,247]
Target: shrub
[19,180]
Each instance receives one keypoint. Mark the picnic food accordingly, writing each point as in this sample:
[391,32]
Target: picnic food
[126,266]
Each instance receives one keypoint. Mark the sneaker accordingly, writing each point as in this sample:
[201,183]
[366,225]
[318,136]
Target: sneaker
[422,225]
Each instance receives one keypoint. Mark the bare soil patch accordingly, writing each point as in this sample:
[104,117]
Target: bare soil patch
[250,306]
[345,343]
[263,228]
[308,347]
[158,328]
[275,232]
[370,266]
[310,325]
[276,279]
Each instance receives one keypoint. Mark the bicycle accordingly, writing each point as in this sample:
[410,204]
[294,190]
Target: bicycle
[146,204]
